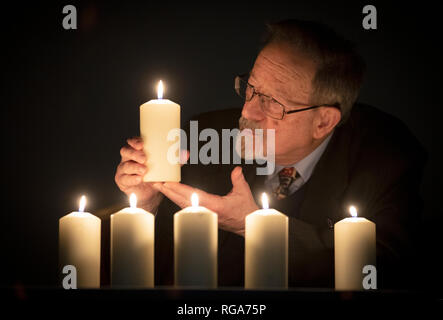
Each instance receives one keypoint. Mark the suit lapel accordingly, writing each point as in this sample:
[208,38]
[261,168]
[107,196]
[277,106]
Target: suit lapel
[322,202]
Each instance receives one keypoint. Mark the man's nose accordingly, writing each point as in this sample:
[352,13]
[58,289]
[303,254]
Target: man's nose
[252,111]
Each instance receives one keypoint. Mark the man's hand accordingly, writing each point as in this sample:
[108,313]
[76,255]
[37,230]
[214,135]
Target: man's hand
[130,172]
[231,208]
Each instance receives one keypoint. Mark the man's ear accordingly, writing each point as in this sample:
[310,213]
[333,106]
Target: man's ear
[325,120]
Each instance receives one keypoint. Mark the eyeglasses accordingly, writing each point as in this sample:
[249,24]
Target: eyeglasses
[268,104]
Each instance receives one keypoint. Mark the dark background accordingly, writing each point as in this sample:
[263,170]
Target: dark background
[70,98]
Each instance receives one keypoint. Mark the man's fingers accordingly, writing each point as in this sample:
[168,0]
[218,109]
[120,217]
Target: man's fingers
[129,153]
[175,197]
[129,174]
[132,167]
[181,189]
[184,191]
[129,180]
[135,142]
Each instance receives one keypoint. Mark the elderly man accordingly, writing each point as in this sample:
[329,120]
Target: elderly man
[329,153]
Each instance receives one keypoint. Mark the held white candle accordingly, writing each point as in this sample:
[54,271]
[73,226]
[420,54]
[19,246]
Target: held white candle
[132,247]
[79,245]
[266,248]
[158,119]
[354,247]
[195,246]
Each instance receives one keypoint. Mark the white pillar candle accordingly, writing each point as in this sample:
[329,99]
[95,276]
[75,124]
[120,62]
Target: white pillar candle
[354,247]
[195,246]
[158,119]
[132,247]
[266,248]
[79,245]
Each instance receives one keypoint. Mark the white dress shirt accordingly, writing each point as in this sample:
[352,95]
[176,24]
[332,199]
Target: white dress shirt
[304,167]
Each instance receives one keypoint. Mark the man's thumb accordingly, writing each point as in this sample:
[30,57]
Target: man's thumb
[238,179]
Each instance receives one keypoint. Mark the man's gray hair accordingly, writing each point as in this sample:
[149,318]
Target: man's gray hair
[340,68]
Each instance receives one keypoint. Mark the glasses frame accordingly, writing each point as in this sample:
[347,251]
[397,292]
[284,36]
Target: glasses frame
[242,77]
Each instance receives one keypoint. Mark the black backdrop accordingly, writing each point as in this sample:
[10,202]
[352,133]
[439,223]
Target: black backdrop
[70,97]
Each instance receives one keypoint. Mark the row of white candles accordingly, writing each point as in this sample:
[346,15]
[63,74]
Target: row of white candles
[195,230]
[195,247]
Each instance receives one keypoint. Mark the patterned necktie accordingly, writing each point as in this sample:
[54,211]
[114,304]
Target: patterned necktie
[286,176]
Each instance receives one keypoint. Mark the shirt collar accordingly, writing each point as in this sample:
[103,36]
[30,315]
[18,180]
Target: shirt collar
[306,166]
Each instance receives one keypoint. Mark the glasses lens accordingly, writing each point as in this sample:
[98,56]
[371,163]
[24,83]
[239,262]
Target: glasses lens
[272,108]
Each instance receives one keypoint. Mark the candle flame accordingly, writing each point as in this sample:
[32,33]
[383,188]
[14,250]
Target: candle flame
[133,200]
[353,211]
[194,200]
[81,207]
[264,201]
[160,90]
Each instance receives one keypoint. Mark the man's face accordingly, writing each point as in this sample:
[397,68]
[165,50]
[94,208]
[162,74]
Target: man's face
[286,78]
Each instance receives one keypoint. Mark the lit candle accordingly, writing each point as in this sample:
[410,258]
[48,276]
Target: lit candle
[159,129]
[132,247]
[79,245]
[195,246]
[266,248]
[354,247]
